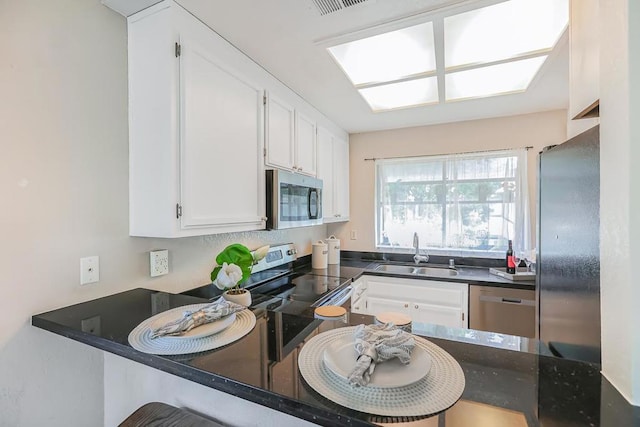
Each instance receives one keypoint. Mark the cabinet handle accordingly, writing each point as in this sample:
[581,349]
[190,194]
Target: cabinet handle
[416,305]
[406,306]
[300,169]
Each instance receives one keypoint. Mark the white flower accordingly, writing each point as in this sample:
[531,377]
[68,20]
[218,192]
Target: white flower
[228,276]
[260,253]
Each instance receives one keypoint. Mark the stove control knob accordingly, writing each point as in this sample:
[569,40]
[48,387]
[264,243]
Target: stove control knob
[292,252]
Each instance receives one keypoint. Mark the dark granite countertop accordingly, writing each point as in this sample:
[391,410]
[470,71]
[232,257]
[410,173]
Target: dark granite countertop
[473,274]
[514,387]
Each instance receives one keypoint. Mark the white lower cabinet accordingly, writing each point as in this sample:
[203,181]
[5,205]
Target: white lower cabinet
[359,296]
[425,301]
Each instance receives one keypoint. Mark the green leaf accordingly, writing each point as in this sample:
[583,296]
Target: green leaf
[236,254]
[214,273]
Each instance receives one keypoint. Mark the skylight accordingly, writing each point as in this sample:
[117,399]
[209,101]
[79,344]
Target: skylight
[483,52]
[503,31]
[404,94]
[493,80]
[388,57]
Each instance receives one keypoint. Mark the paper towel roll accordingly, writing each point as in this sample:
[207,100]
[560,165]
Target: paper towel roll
[319,254]
[333,244]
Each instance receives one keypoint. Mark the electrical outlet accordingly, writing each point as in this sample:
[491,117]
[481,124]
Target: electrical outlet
[89,270]
[158,263]
[354,235]
[91,325]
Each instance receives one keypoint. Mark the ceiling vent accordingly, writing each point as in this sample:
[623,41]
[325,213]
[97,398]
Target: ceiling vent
[329,6]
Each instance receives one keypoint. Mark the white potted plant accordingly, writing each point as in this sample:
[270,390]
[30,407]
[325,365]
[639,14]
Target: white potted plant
[234,265]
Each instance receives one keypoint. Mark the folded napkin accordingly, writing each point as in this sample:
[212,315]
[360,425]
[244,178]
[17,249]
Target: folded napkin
[376,344]
[191,319]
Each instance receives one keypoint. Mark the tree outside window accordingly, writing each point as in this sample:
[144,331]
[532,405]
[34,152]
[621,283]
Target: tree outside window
[473,202]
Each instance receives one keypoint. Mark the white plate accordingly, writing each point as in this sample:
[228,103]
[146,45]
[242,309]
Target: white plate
[340,357]
[140,336]
[197,332]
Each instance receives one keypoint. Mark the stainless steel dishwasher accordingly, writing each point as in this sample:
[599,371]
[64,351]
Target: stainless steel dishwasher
[503,310]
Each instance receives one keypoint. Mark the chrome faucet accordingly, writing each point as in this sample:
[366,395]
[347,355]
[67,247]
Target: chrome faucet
[417,258]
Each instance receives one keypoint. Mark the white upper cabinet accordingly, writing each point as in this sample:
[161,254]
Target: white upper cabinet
[341,184]
[280,133]
[291,137]
[333,169]
[305,144]
[584,88]
[221,138]
[196,129]
[326,170]
[204,119]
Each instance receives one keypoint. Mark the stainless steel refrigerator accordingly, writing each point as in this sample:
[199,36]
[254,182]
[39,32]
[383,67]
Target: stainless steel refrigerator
[568,258]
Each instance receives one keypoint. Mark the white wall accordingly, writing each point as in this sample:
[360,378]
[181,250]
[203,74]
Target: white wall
[129,385]
[537,130]
[64,191]
[620,193]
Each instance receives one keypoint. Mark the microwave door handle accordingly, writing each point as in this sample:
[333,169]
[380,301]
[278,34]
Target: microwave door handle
[312,191]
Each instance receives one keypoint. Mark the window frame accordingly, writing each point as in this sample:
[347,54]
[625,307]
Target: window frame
[520,202]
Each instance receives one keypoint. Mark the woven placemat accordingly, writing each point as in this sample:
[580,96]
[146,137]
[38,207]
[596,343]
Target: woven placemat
[140,337]
[437,391]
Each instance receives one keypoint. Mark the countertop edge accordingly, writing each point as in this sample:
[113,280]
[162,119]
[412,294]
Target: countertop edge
[256,395]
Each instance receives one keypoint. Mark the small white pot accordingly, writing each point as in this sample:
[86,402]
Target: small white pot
[243,298]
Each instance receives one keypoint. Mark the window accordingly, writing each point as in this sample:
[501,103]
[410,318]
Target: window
[470,203]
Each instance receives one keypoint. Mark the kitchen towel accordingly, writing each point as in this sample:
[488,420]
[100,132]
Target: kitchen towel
[376,344]
[333,246]
[319,255]
[191,319]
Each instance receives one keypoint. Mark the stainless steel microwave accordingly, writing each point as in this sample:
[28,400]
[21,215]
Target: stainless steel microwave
[293,200]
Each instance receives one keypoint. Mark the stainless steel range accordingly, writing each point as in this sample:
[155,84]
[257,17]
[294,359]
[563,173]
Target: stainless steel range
[275,286]
[288,297]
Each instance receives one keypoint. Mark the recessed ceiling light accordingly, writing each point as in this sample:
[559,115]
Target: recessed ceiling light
[404,94]
[504,30]
[388,57]
[508,77]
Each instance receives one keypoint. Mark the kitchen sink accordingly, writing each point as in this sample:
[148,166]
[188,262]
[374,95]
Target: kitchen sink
[424,271]
[435,271]
[396,269]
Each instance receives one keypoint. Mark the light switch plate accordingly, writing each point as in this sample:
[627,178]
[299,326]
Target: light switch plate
[89,270]
[158,263]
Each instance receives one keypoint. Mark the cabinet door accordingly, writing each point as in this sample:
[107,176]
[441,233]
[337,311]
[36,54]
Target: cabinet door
[359,297]
[221,127]
[437,315]
[280,133]
[376,306]
[341,182]
[429,301]
[305,144]
[326,173]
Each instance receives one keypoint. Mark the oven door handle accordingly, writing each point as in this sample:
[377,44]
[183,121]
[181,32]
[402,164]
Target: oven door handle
[339,298]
